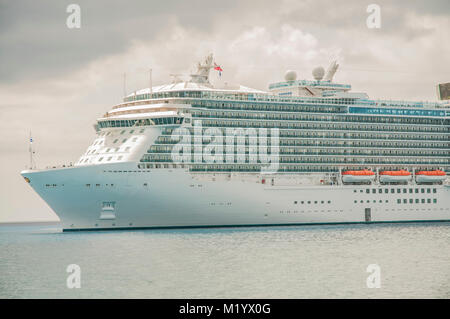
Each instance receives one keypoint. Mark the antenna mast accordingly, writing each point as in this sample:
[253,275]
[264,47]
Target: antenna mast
[31,151]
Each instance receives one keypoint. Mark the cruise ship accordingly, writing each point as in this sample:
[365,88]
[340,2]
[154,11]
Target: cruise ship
[193,154]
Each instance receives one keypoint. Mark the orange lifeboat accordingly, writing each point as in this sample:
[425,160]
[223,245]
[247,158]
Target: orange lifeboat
[358,176]
[395,176]
[430,176]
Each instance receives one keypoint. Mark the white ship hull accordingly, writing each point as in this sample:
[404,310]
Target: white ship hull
[177,198]
[301,139]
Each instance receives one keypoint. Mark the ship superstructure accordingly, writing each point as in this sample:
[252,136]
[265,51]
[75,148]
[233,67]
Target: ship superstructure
[305,151]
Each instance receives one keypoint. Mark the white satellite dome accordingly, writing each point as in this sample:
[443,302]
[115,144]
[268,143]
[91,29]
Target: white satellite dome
[290,75]
[318,73]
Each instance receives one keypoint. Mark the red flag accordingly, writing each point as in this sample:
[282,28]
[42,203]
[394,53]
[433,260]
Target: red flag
[217,67]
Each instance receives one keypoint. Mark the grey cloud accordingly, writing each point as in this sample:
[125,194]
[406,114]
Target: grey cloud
[341,16]
[35,42]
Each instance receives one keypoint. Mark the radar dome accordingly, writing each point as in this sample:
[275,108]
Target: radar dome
[318,73]
[290,75]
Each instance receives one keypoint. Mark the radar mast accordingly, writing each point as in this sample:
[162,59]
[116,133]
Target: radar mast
[331,71]
[202,74]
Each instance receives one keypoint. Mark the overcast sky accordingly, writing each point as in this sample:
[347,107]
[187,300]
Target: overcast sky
[56,81]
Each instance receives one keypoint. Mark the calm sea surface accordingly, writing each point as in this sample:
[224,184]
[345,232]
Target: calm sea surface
[275,262]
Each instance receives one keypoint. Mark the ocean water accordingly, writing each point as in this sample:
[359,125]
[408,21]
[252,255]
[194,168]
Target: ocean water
[273,262]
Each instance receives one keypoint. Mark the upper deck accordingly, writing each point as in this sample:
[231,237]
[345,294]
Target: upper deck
[321,91]
[312,96]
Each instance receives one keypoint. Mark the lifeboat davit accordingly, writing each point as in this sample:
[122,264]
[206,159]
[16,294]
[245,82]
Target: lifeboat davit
[395,176]
[430,176]
[361,176]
